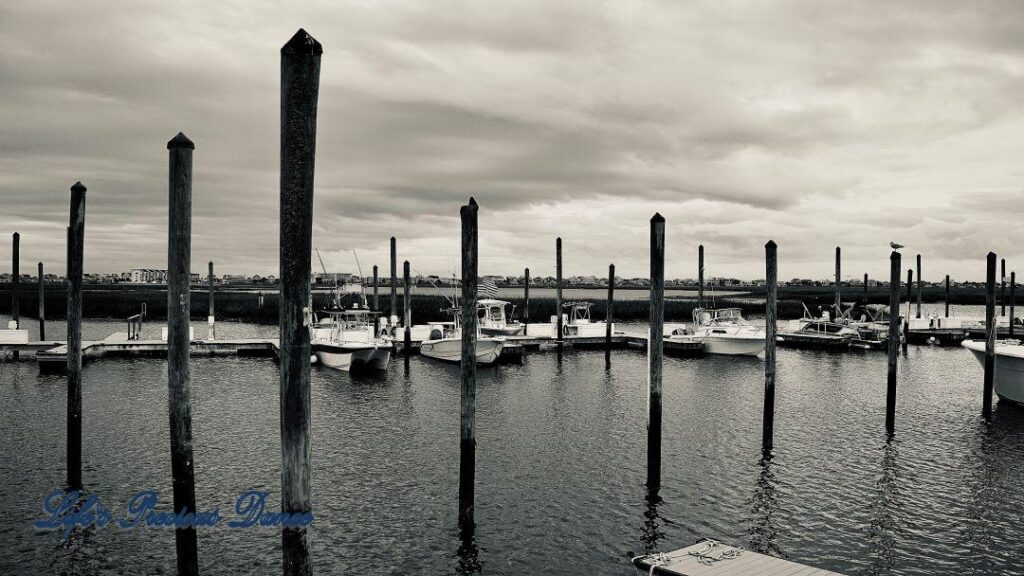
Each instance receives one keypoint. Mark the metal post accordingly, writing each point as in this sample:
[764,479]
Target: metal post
[300,84]
[894,340]
[990,334]
[467,427]
[655,348]
[76,242]
[770,324]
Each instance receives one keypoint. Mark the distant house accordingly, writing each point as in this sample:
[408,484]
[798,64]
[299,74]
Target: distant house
[237,279]
[147,276]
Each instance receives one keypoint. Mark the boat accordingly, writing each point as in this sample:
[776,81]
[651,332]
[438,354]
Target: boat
[577,322]
[348,340]
[1008,380]
[445,343]
[809,332]
[494,321]
[725,331]
[871,321]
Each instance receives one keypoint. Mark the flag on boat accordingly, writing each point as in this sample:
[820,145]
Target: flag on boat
[487,288]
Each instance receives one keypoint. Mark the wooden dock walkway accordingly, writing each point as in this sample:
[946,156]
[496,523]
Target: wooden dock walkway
[712,558]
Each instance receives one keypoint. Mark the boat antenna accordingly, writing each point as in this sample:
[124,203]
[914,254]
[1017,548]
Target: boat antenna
[436,287]
[334,293]
[362,287]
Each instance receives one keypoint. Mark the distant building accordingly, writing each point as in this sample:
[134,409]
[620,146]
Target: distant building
[147,276]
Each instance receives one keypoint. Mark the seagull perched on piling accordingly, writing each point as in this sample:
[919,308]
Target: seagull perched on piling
[895,246]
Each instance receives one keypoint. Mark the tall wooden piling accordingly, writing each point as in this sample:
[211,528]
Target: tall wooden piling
[700,276]
[770,324]
[910,300]
[179,259]
[558,292]
[211,317]
[655,348]
[406,312]
[1013,299]
[1002,286]
[865,287]
[526,303]
[300,84]
[947,296]
[990,334]
[16,281]
[918,312]
[394,281]
[839,288]
[376,302]
[609,316]
[76,242]
[467,427]
[42,304]
[894,340]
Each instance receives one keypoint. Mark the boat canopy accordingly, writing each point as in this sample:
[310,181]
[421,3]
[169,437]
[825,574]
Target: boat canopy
[719,316]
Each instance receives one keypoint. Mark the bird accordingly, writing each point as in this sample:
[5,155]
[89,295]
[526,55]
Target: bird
[895,246]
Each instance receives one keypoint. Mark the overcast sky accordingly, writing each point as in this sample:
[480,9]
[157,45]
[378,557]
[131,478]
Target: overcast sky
[813,123]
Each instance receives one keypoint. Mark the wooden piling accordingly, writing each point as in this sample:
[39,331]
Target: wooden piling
[865,288]
[76,241]
[1002,286]
[211,317]
[910,300]
[526,298]
[376,301]
[918,313]
[558,292]
[894,340]
[770,325]
[655,348]
[394,282]
[1013,299]
[839,288]
[16,281]
[700,276]
[467,428]
[300,84]
[947,296]
[42,304]
[179,257]
[406,312]
[990,334]
[609,316]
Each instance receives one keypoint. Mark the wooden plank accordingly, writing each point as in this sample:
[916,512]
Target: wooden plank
[683,563]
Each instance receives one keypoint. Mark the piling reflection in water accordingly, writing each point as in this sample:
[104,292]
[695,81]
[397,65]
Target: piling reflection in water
[885,526]
[468,554]
[763,503]
[654,525]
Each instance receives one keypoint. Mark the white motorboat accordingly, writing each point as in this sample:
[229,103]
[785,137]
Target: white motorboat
[1008,380]
[494,321]
[577,322]
[445,343]
[725,331]
[347,340]
[816,333]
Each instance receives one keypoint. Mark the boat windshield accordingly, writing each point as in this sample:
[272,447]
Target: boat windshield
[723,317]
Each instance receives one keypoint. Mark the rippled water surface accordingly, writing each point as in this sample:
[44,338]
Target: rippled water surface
[560,464]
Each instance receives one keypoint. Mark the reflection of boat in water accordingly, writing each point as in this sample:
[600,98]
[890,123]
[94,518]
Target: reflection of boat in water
[808,332]
[347,340]
[1008,380]
[725,331]
[445,343]
[494,321]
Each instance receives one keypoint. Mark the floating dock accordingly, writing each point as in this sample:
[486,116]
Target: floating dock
[712,558]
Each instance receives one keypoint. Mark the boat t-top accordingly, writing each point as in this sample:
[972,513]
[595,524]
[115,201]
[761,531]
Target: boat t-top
[348,340]
[493,319]
[578,322]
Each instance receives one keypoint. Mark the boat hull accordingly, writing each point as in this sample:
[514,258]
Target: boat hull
[513,330]
[1008,379]
[733,345]
[815,341]
[352,359]
[488,350]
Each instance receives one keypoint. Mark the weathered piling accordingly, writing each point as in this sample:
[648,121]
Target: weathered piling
[839,288]
[947,296]
[558,292]
[467,427]
[1013,299]
[376,302]
[894,340]
[406,313]
[770,324]
[609,315]
[865,287]
[990,334]
[42,304]
[700,276]
[526,298]
[300,84]
[179,259]
[1002,286]
[16,281]
[655,348]
[76,241]
[211,317]
[394,282]
[918,312]
[910,300]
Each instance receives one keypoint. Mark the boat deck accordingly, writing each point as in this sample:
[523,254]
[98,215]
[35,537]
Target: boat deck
[709,558]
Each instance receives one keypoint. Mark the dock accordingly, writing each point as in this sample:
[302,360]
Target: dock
[712,558]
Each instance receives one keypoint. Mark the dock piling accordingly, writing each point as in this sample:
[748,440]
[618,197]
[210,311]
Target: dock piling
[1002,286]
[393,319]
[211,318]
[467,427]
[42,304]
[300,84]
[179,256]
[558,293]
[838,308]
[918,314]
[16,281]
[406,313]
[655,349]
[990,334]
[894,340]
[700,276]
[376,302]
[1013,299]
[608,317]
[947,296]
[526,303]
[76,241]
[910,300]
[770,325]
[865,288]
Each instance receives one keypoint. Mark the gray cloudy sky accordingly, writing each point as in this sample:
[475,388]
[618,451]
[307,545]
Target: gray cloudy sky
[814,123]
